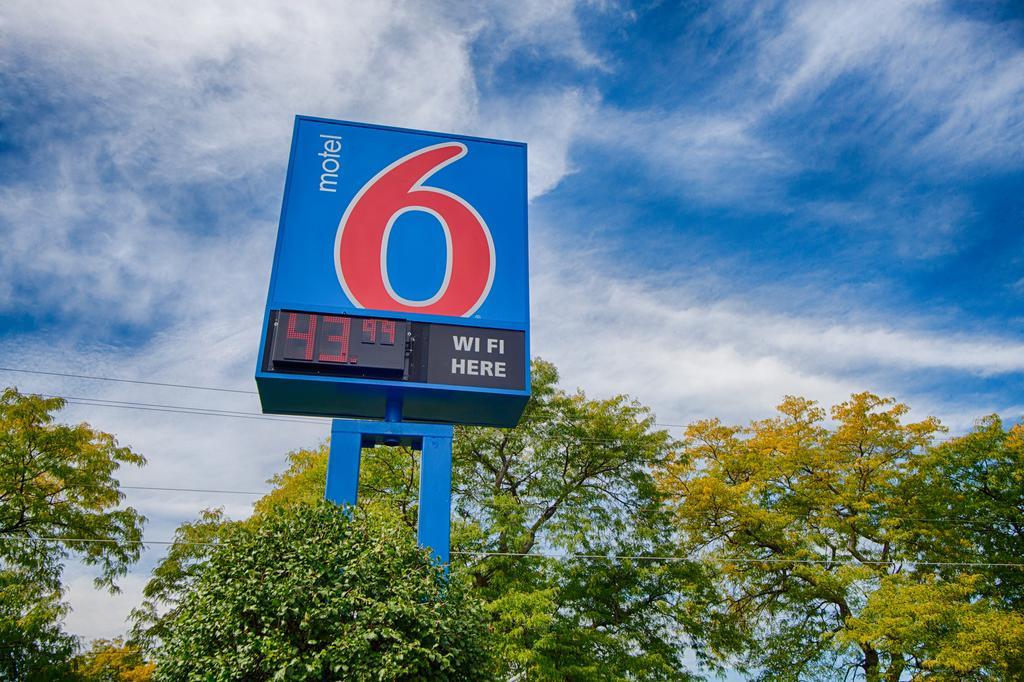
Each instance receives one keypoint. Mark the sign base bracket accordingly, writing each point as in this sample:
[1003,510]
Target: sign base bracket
[434,441]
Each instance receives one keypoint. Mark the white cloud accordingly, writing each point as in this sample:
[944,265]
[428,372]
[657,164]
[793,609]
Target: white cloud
[98,614]
[922,89]
[688,357]
[198,93]
[945,87]
[183,94]
[205,94]
[714,158]
[913,226]
[211,88]
[548,26]
[550,123]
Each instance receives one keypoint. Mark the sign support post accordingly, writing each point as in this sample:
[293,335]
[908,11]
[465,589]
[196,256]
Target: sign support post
[434,441]
[433,526]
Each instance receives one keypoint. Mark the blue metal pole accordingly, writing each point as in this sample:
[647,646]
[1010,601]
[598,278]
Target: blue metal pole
[434,523]
[435,443]
[343,465]
[393,409]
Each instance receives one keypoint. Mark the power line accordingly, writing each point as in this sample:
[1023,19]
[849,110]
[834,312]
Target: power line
[545,504]
[103,541]
[170,385]
[567,556]
[542,505]
[127,381]
[182,409]
[737,560]
[214,412]
[194,490]
[99,402]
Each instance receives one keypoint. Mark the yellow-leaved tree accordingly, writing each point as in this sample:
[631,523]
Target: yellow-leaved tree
[853,544]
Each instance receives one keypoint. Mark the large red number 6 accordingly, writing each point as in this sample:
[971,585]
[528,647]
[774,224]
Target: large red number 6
[366,227]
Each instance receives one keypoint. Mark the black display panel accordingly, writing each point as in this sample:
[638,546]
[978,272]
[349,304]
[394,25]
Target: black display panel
[382,348]
[471,356]
[312,343]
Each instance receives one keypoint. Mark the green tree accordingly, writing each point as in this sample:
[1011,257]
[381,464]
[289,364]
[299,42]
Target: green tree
[943,626]
[963,504]
[57,487]
[968,497]
[822,533]
[32,644]
[573,478]
[308,593]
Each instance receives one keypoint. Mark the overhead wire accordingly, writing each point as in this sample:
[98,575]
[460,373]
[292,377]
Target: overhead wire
[214,412]
[186,409]
[173,385]
[101,402]
[569,555]
[544,504]
[125,381]
[194,490]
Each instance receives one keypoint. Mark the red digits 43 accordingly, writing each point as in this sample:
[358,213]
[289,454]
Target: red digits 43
[341,339]
[366,226]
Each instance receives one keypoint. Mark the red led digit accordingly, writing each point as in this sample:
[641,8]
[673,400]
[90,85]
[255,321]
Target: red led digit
[341,339]
[369,331]
[387,330]
[309,336]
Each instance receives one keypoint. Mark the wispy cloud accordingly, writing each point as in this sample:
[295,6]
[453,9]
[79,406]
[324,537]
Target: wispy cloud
[164,169]
[714,158]
[548,27]
[688,357]
[908,86]
[943,87]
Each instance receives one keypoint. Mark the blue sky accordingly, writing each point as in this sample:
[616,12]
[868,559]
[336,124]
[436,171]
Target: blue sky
[767,198]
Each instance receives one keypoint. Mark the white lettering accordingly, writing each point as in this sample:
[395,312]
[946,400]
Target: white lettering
[325,180]
[492,344]
[465,342]
[330,164]
[499,369]
[485,368]
[473,367]
[458,366]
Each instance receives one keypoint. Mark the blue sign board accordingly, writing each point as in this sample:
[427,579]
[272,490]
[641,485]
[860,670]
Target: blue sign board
[399,278]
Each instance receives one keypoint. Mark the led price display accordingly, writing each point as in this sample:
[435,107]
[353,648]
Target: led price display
[312,343]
